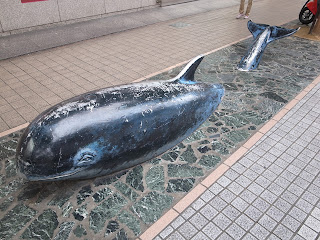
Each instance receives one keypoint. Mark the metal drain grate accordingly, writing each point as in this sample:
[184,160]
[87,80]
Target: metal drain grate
[180,25]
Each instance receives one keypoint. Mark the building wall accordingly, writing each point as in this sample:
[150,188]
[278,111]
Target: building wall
[15,16]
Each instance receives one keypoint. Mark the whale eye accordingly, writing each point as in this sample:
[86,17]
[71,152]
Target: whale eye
[86,157]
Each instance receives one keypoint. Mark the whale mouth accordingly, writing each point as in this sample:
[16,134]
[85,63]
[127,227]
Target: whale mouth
[59,176]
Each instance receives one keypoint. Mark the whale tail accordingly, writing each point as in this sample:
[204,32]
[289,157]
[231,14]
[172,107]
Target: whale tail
[276,32]
[187,74]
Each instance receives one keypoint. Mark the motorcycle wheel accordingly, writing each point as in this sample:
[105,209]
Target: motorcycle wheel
[306,16]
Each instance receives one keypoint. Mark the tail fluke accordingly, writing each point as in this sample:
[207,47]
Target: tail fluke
[276,32]
[279,32]
[187,74]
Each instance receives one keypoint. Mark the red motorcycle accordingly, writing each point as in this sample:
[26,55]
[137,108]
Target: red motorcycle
[308,12]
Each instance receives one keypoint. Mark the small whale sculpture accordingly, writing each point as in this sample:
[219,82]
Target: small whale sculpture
[108,130]
[263,35]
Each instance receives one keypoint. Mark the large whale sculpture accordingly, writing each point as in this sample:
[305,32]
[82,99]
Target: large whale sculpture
[108,130]
[263,35]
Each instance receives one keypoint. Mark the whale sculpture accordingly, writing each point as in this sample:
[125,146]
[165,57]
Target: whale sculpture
[263,35]
[108,130]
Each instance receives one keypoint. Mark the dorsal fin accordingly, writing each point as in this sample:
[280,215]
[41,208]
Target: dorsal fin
[256,28]
[187,74]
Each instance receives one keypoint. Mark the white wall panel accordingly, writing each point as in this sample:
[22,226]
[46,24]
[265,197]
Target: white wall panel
[16,15]
[73,9]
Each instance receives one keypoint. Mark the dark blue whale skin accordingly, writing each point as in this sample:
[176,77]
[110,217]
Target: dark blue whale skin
[115,128]
[263,35]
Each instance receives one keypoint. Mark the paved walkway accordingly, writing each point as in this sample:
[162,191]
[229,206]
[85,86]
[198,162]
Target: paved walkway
[271,192]
[32,83]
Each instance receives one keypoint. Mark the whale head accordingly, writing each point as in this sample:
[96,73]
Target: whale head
[41,156]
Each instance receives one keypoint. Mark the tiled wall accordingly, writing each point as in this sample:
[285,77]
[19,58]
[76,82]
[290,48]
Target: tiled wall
[15,15]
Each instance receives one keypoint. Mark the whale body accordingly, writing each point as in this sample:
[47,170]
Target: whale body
[108,130]
[263,34]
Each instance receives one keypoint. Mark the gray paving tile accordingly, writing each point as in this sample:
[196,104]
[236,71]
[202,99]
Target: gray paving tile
[255,188]
[259,152]
[282,232]
[271,176]
[267,222]
[286,157]
[297,214]
[282,182]
[249,236]
[245,222]
[211,230]
[299,164]
[239,168]
[248,196]
[308,152]
[276,189]
[295,189]
[259,232]
[168,230]
[235,188]
[283,205]
[187,230]
[309,197]
[257,168]
[209,212]
[207,196]
[235,231]
[200,236]
[243,181]
[307,233]
[188,213]
[227,196]
[224,181]
[307,176]
[252,156]
[275,213]
[316,213]
[157,238]
[313,223]
[289,197]
[231,174]
[198,221]
[224,236]
[281,162]
[177,222]
[296,146]
[273,237]
[312,170]
[199,203]
[216,188]
[261,204]
[240,204]
[276,169]
[290,223]
[304,206]
[263,182]
[253,213]
[176,236]
[276,152]
[245,161]
[288,175]
[218,203]
[222,221]
[270,157]
[264,162]
[231,212]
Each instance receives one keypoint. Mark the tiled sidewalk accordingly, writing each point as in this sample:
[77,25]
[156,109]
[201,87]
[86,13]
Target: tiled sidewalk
[272,192]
